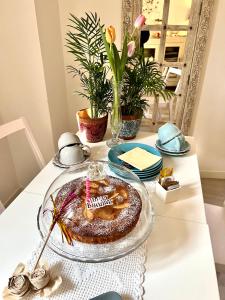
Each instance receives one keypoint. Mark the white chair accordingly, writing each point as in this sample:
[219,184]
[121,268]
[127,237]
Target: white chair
[15,126]
[171,105]
[215,216]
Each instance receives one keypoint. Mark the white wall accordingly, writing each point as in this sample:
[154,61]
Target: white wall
[22,89]
[208,124]
[110,14]
[48,22]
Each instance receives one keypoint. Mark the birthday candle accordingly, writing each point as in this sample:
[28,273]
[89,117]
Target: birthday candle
[88,196]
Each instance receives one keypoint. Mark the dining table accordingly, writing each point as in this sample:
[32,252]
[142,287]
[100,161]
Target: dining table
[179,261]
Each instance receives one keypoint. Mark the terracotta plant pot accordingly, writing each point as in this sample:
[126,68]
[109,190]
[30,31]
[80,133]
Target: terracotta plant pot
[94,129]
[130,126]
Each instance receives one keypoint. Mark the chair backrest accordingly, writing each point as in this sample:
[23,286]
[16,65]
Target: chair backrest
[21,124]
[15,126]
[172,71]
[177,88]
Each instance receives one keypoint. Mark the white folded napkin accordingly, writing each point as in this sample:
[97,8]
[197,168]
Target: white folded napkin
[139,158]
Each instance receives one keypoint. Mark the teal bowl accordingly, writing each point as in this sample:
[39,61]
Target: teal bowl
[176,144]
[167,132]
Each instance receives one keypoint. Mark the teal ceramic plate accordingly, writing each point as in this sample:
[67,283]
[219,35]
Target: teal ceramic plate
[108,296]
[173,154]
[141,177]
[149,173]
[143,174]
[183,151]
[150,169]
[149,178]
[120,149]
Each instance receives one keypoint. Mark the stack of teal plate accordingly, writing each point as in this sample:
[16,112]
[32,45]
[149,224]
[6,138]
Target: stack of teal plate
[147,174]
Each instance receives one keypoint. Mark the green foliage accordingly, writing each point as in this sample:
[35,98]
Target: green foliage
[84,41]
[142,78]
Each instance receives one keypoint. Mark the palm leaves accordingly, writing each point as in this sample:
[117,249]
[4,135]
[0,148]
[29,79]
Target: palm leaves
[142,77]
[84,41]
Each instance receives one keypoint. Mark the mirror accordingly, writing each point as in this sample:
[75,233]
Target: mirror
[174,36]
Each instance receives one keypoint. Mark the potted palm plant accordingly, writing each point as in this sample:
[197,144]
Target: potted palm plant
[84,41]
[142,78]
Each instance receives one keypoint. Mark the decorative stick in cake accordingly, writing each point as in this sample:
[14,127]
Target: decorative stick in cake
[58,213]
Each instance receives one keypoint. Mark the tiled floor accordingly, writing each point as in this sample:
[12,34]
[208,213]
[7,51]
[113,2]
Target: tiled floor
[214,193]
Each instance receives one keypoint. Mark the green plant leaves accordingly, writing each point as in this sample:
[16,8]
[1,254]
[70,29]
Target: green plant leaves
[84,41]
[142,78]
[124,55]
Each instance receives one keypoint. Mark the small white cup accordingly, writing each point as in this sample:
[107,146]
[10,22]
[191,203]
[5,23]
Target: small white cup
[71,155]
[67,138]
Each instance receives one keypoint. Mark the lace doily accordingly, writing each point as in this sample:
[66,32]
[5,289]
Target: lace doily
[83,281]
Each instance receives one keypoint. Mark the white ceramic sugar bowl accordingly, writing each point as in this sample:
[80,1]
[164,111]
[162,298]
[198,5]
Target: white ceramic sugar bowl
[67,138]
[70,155]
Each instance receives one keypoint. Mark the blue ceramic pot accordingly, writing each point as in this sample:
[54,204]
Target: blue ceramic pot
[130,127]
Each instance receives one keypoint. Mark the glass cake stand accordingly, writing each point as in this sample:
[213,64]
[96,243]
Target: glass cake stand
[85,252]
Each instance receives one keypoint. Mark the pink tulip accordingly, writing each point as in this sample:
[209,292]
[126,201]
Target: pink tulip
[130,48]
[139,22]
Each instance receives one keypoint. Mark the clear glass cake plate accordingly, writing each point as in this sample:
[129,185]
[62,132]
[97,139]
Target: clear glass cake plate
[86,252]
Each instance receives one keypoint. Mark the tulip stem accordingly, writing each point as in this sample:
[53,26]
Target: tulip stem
[133,33]
[116,120]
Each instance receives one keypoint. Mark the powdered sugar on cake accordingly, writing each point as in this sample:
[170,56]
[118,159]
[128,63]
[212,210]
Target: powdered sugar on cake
[108,223]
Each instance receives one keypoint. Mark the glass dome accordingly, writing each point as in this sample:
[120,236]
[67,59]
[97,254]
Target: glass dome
[66,212]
